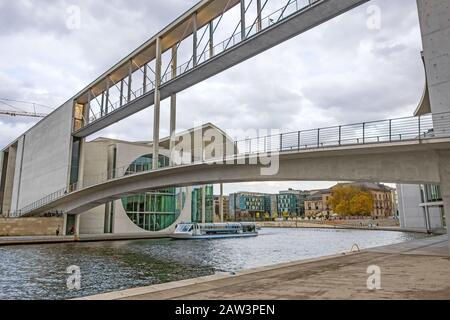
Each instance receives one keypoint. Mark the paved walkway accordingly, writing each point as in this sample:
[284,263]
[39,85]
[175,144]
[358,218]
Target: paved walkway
[414,270]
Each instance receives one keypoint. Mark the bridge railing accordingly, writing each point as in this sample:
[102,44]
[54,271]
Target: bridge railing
[385,131]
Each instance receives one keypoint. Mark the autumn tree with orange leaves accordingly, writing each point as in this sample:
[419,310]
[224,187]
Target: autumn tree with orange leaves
[351,201]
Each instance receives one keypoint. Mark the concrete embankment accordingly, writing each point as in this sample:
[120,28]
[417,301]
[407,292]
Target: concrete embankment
[331,225]
[9,241]
[414,270]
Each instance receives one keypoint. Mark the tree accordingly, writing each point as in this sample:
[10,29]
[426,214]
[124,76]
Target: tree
[351,201]
[362,204]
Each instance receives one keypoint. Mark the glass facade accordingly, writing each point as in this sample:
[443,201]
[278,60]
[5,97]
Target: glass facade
[155,210]
[430,193]
[196,213]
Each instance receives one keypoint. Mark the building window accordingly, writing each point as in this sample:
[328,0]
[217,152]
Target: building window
[158,209]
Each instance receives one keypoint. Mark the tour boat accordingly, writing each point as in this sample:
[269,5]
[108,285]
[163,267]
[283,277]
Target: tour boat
[194,231]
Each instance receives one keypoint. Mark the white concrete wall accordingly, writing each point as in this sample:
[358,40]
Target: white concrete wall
[17,175]
[46,156]
[410,212]
[434,18]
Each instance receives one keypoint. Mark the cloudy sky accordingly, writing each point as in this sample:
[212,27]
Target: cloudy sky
[347,70]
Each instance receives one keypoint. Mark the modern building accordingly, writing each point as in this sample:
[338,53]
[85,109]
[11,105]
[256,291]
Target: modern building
[292,202]
[251,206]
[151,211]
[420,207]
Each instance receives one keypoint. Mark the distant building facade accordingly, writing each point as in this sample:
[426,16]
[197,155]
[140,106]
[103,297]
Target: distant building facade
[384,205]
[292,202]
[225,206]
[251,206]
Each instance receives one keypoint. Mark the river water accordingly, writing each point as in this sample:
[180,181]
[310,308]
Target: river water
[39,271]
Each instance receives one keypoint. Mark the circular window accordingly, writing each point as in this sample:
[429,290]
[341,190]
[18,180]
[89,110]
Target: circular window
[158,209]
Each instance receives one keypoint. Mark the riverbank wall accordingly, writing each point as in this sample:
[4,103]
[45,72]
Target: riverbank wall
[20,227]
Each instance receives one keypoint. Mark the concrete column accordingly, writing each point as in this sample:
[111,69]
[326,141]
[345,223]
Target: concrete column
[434,19]
[204,204]
[242,19]
[121,93]
[211,39]
[87,108]
[173,104]
[130,79]
[157,105]
[221,203]
[108,84]
[258,16]
[77,226]
[144,82]
[444,172]
[81,161]
[194,38]
[64,229]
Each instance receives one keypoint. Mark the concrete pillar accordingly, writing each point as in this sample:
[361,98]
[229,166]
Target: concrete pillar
[157,105]
[108,85]
[77,226]
[211,39]
[144,82]
[121,93]
[434,19]
[194,38]
[64,229]
[130,79]
[204,204]
[444,172]
[173,104]
[258,16]
[221,203]
[243,19]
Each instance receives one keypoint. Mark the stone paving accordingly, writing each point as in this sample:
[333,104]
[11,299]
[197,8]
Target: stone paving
[416,270]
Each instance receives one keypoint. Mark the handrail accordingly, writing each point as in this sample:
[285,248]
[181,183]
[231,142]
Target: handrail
[383,131]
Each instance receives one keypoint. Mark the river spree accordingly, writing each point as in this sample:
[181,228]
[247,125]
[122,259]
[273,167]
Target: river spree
[39,271]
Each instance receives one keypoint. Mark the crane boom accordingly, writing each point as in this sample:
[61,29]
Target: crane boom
[22,114]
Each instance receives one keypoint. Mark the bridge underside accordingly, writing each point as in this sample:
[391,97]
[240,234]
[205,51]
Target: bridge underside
[403,162]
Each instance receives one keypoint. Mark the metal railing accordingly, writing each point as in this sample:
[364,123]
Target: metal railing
[385,131]
[292,7]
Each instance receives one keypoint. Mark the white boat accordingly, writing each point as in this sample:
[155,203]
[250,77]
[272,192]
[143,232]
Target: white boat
[194,231]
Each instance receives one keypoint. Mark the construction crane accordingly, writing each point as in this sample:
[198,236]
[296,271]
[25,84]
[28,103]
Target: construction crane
[17,112]
[22,114]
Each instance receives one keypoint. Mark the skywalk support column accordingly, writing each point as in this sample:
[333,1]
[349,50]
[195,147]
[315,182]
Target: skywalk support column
[258,16]
[173,105]
[211,39]
[243,19]
[221,203]
[194,39]
[204,204]
[157,104]
[444,172]
[130,79]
